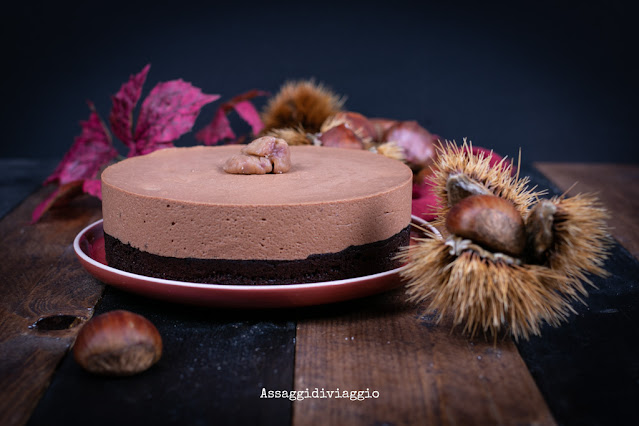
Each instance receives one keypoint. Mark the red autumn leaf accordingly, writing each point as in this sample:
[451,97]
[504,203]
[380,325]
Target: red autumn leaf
[220,128]
[247,111]
[90,151]
[246,96]
[61,193]
[169,111]
[92,187]
[124,102]
[425,201]
[217,130]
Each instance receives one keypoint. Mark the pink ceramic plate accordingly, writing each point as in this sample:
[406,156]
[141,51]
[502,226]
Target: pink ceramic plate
[89,247]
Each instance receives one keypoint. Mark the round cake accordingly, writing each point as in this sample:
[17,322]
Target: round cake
[176,214]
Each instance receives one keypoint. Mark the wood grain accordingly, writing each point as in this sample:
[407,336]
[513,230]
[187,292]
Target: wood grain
[214,365]
[425,373]
[40,278]
[616,185]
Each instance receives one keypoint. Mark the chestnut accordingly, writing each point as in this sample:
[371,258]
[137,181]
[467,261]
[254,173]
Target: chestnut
[358,123]
[117,343]
[418,143]
[540,230]
[341,137]
[263,155]
[381,126]
[490,221]
[459,186]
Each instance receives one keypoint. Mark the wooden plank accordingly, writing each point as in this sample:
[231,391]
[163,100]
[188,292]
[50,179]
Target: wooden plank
[214,365]
[41,279]
[615,184]
[424,373]
[588,368]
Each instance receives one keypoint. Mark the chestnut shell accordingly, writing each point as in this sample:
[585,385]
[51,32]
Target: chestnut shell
[118,343]
[490,221]
[341,137]
[358,123]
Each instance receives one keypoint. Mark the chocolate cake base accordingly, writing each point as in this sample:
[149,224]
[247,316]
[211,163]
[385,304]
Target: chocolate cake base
[355,261]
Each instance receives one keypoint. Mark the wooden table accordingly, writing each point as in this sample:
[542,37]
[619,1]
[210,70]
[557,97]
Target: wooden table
[217,363]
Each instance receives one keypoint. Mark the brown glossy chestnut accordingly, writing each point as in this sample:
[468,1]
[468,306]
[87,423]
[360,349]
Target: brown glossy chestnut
[417,142]
[118,343]
[358,123]
[341,137]
[381,126]
[490,221]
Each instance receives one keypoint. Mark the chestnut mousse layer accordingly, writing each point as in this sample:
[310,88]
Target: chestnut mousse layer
[355,261]
[179,203]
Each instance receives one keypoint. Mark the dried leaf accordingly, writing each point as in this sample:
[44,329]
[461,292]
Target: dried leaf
[216,131]
[425,201]
[220,127]
[169,111]
[124,102]
[61,194]
[93,187]
[247,111]
[90,151]
[246,96]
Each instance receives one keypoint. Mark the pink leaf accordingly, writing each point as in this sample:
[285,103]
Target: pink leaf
[425,201]
[217,130]
[246,96]
[124,102]
[167,113]
[61,193]
[92,187]
[90,151]
[247,111]
[220,128]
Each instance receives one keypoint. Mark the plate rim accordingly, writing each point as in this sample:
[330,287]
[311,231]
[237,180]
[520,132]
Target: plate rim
[232,287]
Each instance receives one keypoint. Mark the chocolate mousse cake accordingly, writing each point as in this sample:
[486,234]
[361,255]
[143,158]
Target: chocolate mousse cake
[176,214]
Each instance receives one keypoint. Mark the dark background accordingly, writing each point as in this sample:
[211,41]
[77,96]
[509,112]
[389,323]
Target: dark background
[557,81]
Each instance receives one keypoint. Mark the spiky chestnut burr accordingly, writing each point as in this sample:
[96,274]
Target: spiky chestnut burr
[479,177]
[389,149]
[485,290]
[292,136]
[580,241]
[301,106]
